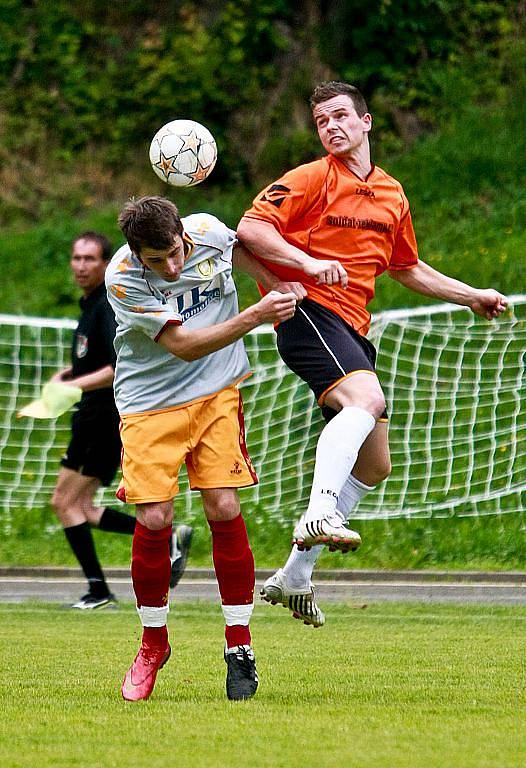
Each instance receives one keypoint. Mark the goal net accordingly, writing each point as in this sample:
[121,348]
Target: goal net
[455,390]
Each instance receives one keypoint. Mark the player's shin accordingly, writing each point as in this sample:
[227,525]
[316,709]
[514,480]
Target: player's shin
[336,454]
[151,579]
[234,567]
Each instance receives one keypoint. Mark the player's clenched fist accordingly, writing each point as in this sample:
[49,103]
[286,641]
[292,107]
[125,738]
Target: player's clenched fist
[488,303]
[276,307]
[327,272]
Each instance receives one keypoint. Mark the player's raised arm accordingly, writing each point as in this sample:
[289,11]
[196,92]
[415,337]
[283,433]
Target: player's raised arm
[263,239]
[192,344]
[245,261]
[423,279]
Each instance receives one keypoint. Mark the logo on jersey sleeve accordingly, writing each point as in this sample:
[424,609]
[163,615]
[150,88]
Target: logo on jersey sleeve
[203,226]
[119,291]
[124,265]
[81,346]
[276,194]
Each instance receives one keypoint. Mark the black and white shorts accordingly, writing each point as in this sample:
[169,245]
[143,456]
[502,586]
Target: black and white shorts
[321,348]
[95,446]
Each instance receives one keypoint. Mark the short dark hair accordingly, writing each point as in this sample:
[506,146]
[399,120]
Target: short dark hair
[101,240]
[325,91]
[150,222]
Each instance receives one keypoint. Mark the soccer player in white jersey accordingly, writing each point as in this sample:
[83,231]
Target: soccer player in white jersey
[180,357]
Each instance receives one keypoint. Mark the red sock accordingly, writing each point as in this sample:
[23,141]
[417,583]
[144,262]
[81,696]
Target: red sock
[150,567]
[155,636]
[234,567]
[238,634]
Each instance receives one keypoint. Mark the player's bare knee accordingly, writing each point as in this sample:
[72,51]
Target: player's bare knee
[223,508]
[376,404]
[92,514]
[372,401]
[155,517]
[373,404]
[59,502]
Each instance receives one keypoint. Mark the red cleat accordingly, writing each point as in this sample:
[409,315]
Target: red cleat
[139,680]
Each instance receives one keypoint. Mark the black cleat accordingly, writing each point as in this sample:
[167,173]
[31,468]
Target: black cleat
[91,602]
[241,677]
[179,549]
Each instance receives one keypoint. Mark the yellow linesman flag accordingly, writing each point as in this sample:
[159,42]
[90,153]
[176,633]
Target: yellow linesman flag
[55,399]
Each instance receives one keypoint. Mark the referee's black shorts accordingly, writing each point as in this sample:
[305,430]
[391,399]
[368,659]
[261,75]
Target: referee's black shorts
[322,349]
[95,446]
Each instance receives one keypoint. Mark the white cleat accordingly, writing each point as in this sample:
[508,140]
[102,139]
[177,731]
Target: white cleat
[300,601]
[331,532]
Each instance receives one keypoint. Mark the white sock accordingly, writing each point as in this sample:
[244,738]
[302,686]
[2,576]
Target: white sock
[352,492]
[336,455]
[300,565]
[237,614]
[152,616]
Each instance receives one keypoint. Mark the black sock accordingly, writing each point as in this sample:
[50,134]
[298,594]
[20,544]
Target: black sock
[81,542]
[117,522]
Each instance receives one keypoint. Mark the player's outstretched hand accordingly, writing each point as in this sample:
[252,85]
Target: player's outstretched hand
[276,307]
[488,303]
[326,272]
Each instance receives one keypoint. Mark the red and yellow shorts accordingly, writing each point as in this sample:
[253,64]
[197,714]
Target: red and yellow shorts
[209,435]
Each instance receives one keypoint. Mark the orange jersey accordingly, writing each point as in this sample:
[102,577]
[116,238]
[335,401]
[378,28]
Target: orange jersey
[328,212]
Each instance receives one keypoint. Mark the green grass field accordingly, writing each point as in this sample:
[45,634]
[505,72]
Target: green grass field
[400,686]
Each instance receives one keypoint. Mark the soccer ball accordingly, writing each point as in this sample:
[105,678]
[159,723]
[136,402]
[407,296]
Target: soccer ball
[183,153]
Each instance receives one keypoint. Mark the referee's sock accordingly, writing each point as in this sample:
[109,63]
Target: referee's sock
[81,542]
[116,522]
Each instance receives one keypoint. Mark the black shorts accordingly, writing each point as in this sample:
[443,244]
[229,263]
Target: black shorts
[321,348]
[95,446]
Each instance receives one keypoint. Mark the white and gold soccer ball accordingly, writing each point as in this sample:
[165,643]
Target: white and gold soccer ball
[183,153]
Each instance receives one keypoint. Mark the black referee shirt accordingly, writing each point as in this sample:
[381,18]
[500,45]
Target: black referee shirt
[92,346]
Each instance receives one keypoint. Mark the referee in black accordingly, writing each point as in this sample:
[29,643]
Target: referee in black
[93,455]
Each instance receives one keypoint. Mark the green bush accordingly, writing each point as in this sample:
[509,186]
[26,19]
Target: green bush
[84,85]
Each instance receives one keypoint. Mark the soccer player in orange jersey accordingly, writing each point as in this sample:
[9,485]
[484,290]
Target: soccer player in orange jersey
[328,229]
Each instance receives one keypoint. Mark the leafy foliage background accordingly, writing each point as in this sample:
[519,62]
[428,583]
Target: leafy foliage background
[84,85]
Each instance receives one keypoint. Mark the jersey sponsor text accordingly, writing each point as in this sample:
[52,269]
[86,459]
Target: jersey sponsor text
[354,223]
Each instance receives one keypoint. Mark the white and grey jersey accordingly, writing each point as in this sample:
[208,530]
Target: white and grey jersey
[147,376]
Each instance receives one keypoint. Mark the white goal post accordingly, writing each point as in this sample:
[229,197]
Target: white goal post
[455,386]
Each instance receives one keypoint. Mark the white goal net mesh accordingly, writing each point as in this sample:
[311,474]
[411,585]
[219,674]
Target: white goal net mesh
[455,390]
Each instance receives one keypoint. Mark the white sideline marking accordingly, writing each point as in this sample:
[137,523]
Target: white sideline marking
[74,580]
[320,584]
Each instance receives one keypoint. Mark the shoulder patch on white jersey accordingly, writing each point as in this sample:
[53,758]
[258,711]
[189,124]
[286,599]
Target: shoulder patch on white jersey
[205,229]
